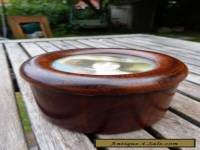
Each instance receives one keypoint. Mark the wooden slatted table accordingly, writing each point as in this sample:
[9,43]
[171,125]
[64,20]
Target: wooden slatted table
[182,120]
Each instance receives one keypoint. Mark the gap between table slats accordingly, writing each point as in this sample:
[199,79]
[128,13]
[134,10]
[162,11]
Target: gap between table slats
[11,132]
[189,89]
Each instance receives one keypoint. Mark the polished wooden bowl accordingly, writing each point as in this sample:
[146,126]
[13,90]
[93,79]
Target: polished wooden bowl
[103,103]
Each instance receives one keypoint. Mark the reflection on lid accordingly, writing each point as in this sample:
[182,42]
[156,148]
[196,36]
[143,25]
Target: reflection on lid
[103,64]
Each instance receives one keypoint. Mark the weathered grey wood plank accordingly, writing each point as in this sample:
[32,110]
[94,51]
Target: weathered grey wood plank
[189,45]
[194,78]
[32,48]
[169,47]
[11,132]
[190,89]
[48,136]
[173,126]
[47,45]
[131,42]
[76,44]
[194,69]
[184,57]
[187,106]
[93,44]
[62,45]
[165,48]
[102,42]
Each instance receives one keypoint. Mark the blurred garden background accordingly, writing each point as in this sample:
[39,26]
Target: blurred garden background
[174,18]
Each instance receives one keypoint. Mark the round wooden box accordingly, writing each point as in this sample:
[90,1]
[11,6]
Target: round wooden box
[103,90]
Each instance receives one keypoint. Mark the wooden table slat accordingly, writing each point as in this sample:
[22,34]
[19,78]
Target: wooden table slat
[190,89]
[194,78]
[11,132]
[92,44]
[47,45]
[131,42]
[32,49]
[62,45]
[48,136]
[76,44]
[183,44]
[183,104]
[171,48]
[194,69]
[173,126]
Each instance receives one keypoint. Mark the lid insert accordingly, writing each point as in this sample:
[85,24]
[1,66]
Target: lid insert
[103,64]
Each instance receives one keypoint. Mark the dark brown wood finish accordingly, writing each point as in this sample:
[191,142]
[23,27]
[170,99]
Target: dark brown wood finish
[104,103]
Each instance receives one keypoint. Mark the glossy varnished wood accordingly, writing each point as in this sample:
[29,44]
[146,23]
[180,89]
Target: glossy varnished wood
[75,101]
[168,73]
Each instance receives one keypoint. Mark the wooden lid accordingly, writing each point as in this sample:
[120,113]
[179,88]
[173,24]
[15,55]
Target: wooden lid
[166,73]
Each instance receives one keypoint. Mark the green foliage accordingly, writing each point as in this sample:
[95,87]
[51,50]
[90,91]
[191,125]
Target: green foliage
[56,11]
[105,3]
[87,13]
